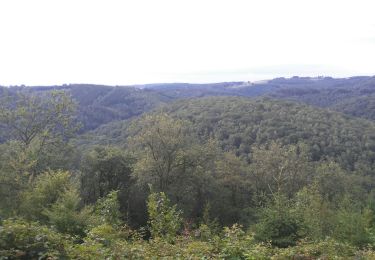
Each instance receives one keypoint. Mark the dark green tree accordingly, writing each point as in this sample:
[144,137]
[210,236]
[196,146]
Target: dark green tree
[279,223]
[104,169]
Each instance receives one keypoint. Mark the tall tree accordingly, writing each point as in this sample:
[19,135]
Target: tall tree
[172,160]
[42,118]
[39,127]
[41,124]
[162,144]
[282,169]
[104,169]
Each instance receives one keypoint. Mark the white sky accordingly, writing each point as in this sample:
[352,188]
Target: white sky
[137,41]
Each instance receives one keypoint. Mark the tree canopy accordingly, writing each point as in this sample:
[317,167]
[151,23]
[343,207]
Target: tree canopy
[201,178]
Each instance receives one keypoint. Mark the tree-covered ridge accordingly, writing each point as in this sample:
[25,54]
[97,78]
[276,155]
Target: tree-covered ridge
[100,104]
[240,123]
[362,106]
[97,104]
[329,92]
[294,87]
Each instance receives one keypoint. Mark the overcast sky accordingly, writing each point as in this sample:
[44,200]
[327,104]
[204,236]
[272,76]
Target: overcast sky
[124,42]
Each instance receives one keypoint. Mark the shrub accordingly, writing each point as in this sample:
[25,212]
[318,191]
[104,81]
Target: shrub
[279,223]
[28,240]
[164,220]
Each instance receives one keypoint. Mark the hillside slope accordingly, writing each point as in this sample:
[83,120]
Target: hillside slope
[240,123]
[99,104]
[362,106]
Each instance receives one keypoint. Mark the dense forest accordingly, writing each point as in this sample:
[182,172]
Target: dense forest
[278,169]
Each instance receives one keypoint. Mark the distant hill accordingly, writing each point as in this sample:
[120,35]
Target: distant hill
[100,104]
[319,91]
[326,92]
[358,106]
[240,123]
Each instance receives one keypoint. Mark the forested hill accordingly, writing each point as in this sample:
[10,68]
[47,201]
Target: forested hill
[358,106]
[238,170]
[319,91]
[241,123]
[329,92]
[99,104]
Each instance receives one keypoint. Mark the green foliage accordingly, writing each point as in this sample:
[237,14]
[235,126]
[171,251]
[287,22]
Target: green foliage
[15,168]
[106,241]
[162,141]
[30,117]
[325,249]
[28,240]
[280,169]
[358,106]
[351,223]
[40,123]
[172,160]
[240,124]
[67,216]
[108,209]
[331,180]
[45,191]
[105,169]
[164,219]
[99,105]
[348,95]
[234,243]
[279,223]
[88,250]
[54,199]
[316,212]
[208,227]
[235,190]
[298,178]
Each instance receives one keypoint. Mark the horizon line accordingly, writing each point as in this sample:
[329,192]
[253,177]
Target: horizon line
[183,82]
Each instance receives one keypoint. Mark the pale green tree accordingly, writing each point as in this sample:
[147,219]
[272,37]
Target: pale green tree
[44,118]
[162,144]
[41,124]
[164,219]
[172,159]
[282,169]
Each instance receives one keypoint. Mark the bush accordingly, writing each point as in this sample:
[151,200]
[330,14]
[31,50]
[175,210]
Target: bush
[326,249]
[351,224]
[108,209]
[279,223]
[67,217]
[164,220]
[28,240]
[46,190]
